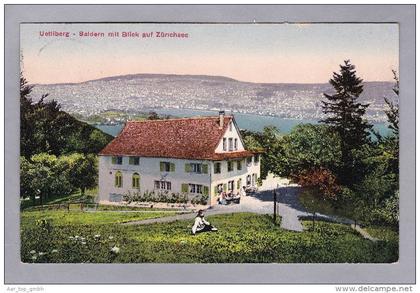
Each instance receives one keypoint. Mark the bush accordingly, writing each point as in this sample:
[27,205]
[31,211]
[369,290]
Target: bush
[320,178]
[147,196]
[200,199]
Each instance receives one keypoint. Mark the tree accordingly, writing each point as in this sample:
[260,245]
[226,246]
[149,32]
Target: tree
[391,143]
[345,116]
[269,143]
[393,112]
[83,171]
[46,128]
[153,116]
[309,147]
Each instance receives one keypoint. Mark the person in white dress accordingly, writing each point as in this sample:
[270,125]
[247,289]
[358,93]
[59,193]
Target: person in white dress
[201,225]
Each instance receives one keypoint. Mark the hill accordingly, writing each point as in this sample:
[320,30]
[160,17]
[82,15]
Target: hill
[137,93]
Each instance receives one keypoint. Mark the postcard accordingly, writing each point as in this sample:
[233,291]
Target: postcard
[209,143]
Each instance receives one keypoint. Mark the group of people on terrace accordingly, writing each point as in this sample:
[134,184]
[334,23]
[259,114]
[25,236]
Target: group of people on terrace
[230,196]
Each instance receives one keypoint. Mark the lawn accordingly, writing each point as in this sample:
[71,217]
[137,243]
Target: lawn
[88,197]
[313,202]
[64,218]
[242,238]
[383,233]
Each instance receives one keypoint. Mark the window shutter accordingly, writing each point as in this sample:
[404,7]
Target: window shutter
[205,190]
[131,160]
[188,168]
[224,187]
[184,187]
[116,180]
[162,167]
[216,190]
[238,184]
[205,168]
[114,160]
[172,167]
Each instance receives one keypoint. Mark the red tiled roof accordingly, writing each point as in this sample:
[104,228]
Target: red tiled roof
[186,138]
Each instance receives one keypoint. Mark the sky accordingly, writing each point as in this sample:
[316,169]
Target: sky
[269,53]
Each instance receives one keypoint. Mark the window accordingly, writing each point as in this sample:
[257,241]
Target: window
[117,160]
[249,161]
[163,185]
[196,168]
[118,179]
[256,158]
[167,167]
[230,185]
[135,182]
[217,168]
[248,180]
[254,179]
[239,165]
[230,126]
[224,143]
[134,160]
[230,144]
[195,188]
[230,166]
[236,144]
[239,183]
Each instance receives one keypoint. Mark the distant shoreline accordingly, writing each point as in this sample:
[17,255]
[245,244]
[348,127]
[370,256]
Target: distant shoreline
[253,122]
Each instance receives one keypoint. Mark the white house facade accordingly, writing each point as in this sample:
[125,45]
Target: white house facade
[192,156]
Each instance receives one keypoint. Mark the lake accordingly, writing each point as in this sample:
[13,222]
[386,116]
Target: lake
[251,122]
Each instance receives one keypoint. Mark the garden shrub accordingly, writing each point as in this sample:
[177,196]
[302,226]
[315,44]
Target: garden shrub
[163,196]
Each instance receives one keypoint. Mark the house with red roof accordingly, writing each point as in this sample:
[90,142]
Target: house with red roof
[197,157]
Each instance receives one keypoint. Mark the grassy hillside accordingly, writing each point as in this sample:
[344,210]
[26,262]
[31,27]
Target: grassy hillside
[242,238]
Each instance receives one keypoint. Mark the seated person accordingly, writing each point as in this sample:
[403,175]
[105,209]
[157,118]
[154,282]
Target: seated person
[236,198]
[230,195]
[222,198]
[201,225]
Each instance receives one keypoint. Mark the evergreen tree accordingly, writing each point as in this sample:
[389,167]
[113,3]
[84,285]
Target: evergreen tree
[391,142]
[393,112]
[345,116]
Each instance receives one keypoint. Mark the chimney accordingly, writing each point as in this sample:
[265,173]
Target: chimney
[221,119]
